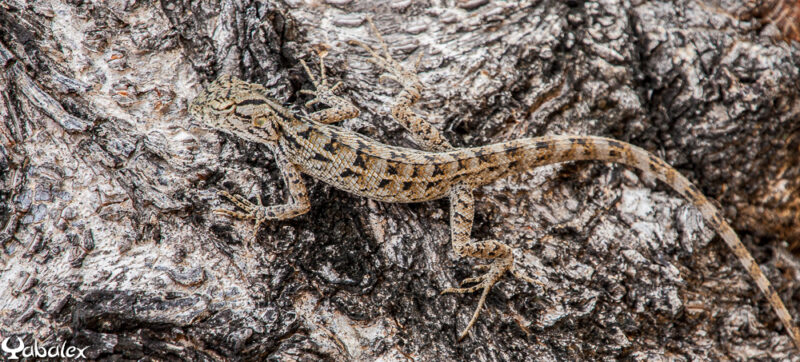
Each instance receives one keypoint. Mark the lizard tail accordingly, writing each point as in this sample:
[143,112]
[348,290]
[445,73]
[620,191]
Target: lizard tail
[555,149]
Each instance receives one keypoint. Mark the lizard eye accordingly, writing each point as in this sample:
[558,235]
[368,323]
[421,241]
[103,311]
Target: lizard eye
[259,122]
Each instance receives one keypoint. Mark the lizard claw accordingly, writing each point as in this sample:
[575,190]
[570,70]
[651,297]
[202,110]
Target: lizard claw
[520,275]
[408,79]
[469,280]
[339,108]
[485,281]
[322,92]
[251,211]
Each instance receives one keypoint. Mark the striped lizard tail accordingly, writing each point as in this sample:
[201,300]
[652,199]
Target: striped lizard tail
[555,149]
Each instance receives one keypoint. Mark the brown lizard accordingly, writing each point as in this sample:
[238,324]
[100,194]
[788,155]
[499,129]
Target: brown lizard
[359,165]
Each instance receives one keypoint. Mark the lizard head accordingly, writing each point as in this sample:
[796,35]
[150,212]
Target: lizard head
[239,108]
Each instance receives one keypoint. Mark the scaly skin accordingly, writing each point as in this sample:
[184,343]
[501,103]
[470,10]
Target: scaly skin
[359,165]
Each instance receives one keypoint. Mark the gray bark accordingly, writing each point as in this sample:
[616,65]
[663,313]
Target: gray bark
[107,185]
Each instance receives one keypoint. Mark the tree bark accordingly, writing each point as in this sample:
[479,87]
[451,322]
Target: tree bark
[107,185]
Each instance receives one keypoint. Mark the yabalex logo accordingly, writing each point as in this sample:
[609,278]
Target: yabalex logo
[38,350]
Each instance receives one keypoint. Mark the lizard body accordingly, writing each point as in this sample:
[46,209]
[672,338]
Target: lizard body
[359,165]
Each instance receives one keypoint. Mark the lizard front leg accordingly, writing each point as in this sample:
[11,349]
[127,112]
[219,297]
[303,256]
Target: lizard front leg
[424,134]
[339,109]
[298,198]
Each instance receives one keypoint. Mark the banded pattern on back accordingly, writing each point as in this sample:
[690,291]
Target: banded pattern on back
[364,167]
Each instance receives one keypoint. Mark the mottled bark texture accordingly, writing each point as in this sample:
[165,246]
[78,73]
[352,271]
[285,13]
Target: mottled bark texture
[107,185]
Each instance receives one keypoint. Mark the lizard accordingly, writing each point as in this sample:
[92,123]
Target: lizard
[311,144]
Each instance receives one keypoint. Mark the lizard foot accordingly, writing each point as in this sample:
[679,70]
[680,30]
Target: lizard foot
[252,211]
[408,79]
[323,93]
[339,108]
[494,272]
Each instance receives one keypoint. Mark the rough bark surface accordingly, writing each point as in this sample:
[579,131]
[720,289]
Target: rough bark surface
[107,185]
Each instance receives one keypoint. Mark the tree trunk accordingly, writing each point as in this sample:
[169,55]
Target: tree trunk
[108,186]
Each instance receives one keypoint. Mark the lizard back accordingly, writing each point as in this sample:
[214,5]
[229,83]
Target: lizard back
[357,164]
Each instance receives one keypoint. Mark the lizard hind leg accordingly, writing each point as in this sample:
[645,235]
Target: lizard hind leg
[502,260]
